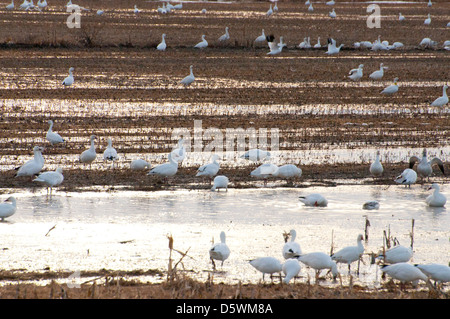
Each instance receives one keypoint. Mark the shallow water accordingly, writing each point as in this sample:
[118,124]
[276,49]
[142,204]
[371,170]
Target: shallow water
[128,230]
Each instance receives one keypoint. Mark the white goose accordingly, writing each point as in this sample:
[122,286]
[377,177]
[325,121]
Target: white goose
[162,46]
[439,273]
[89,155]
[10,6]
[425,167]
[391,89]
[397,254]
[53,137]
[188,79]
[332,14]
[401,17]
[42,4]
[267,265]
[34,166]
[264,171]
[219,251]
[429,3]
[315,200]
[356,74]
[8,208]
[202,44]
[69,80]
[165,170]
[136,10]
[378,75]
[319,261]
[288,172]
[405,273]
[220,181]
[290,268]
[274,47]
[407,177]
[256,154]
[51,178]
[225,36]
[441,101]
[179,153]
[110,153]
[305,44]
[310,8]
[317,45]
[139,165]
[270,11]
[211,169]
[436,199]
[376,168]
[261,38]
[291,249]
[330,3]
[427,20]
[332,48]
[427,43]
[350,254]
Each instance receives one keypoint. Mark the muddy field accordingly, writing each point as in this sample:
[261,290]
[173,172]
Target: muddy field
[127,90]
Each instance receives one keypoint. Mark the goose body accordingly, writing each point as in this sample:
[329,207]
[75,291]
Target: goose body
[69,80]
[391,89]
[356,74]
[291,249]
[188,79]
[110,153]
[332,48]
[202,44]
[209,170]
[315,200]
[427,43]
[425,167]
[220,251]
[288,171]
[261,38]
[8,208]
[225,36]
[427,20]
[162,46]
[264,171]
[179,153]
[317,45]
[256,154]
[10,6]
[89,155]
[442,100]
[139,165]
[401,17]
[290,268]
[42,4]
[275,48]
[136,10]
[51,178]
[378,75]
[436,199]
[267,265]
[348,255]
[407,177]
[319,261]
[405,273]
[305,44]
[439,273]
[397,254]
[376,168]
[270,11]
[53,137]
[332,14]
[33,166]
[165,170]
[330,3]
[220,181]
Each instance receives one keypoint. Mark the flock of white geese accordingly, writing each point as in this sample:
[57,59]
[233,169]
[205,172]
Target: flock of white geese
[395,259]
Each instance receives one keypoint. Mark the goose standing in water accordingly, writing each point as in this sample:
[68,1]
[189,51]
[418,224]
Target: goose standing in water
[110,154]
[425,167]
[209,170]
[188,79]
[50,179]
[219,251]
[220,181]
[53,137]
[69,80]
[405,273]
[376,168]
[291,249]
[225,36]
[436,199]
[319,261]
[267,265]
[202,44]
[407,177]
[165,170]
[439,273]
[391,89]
[378,75]
[442,100]
[8,208]
[162,46]
[288,172]
[34,166]
[89,155]
[350,254]
[315,200]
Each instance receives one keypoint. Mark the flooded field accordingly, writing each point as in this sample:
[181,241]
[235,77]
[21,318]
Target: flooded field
[300,104]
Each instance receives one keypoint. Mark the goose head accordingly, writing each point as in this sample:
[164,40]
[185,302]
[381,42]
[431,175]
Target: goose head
[434,186]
